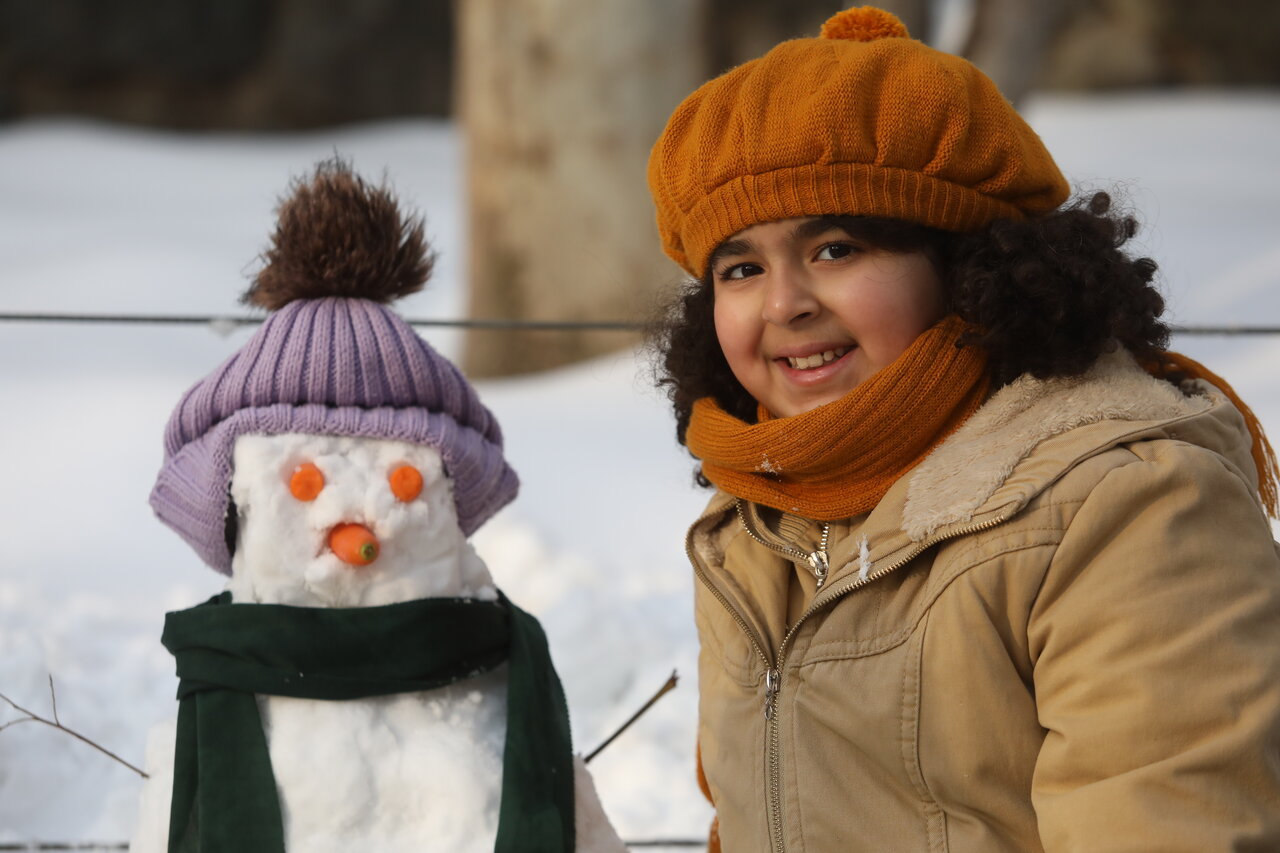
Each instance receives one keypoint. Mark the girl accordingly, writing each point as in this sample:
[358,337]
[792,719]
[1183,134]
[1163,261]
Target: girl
[987,568]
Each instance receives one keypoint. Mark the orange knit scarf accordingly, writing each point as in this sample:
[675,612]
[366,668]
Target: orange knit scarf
[838,460]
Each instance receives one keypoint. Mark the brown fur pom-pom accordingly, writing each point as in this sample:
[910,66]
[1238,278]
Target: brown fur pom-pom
[337,236]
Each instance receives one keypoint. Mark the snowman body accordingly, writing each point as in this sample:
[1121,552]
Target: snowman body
[408,772]
[415,771]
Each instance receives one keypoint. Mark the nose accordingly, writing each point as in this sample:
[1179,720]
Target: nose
[353,544]
[789,297]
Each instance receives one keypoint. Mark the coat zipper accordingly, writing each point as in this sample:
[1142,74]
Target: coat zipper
[773,672]
[756,643]
[818,561]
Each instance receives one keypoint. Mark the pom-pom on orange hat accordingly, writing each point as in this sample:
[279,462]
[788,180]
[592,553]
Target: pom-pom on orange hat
[862,120]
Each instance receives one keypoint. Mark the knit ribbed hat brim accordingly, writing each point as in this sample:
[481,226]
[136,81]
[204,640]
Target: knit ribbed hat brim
[190,494]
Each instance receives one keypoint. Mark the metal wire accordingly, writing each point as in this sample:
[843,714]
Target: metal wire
[236,321]
[124,845]
[228,320]
[1225,330]
[66,845]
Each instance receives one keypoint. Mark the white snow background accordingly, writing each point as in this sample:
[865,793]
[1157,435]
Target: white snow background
[103,219]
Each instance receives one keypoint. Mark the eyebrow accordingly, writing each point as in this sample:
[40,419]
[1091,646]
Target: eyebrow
[811,228]
[806,230]
[730,248]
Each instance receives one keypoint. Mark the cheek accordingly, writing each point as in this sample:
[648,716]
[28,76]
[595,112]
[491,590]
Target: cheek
[913,316]
[929,295]
[927,303]
[901,305]
[738,336]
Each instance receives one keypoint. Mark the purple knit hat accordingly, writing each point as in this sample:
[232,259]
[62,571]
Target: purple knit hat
[331,365]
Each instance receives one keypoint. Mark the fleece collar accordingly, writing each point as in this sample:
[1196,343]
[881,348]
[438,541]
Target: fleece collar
[971,472]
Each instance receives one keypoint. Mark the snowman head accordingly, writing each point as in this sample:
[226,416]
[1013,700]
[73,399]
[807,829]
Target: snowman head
[339,521]
[333,365]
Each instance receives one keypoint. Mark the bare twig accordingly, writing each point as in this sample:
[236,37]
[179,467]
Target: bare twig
[66,845]
[15,722]
[32,717]
[662,691]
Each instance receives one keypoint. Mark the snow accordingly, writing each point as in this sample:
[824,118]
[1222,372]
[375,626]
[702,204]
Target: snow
[96,218]
[282,555]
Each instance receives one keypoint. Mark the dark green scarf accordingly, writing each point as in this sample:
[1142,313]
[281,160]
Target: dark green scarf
[224,793]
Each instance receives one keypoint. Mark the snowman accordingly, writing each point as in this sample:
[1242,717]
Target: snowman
[361,683]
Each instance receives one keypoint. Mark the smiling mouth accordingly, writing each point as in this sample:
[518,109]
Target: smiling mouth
[818,359]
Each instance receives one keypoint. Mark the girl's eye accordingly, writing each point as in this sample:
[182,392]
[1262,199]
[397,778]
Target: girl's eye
[406,482]
[306,482]
[738,271]
[834,252]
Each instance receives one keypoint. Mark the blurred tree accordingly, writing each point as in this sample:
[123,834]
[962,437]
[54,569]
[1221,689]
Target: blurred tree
[560,102]
[1009,39]
[1126,43]
[277,64]
[259,64]
[919,16]
[734,31]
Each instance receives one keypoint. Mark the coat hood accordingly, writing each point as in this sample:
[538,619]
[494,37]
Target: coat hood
[981,466]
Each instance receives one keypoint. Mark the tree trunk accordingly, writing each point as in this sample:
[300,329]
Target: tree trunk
[916,16]
[736,31]
[1009,40]
[560,101]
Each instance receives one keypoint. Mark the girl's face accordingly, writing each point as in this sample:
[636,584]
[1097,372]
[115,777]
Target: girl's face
[804,313]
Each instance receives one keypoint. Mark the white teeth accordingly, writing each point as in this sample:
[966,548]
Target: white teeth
[817,359]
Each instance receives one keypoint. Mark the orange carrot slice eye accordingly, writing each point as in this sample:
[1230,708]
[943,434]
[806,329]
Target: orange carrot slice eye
[306,482]
[406,482]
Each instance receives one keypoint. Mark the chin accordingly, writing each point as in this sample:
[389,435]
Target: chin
[801,407]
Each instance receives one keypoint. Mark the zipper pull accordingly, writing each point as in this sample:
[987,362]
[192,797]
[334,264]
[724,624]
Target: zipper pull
[818,562]
[818,559]
[771,679]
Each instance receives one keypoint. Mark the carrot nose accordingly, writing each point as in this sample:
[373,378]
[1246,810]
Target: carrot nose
[354,544]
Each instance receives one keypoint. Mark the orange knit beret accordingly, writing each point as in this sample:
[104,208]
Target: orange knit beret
[860,121]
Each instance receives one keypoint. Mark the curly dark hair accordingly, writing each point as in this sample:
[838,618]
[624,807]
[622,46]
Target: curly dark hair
[1049,295]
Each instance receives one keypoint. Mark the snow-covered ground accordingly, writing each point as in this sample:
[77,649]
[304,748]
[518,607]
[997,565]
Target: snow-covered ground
[110,220]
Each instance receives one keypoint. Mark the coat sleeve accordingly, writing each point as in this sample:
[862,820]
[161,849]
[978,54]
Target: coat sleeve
[1155,639]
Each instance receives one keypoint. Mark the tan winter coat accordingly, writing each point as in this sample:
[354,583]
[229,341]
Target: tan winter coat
[1060,632]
